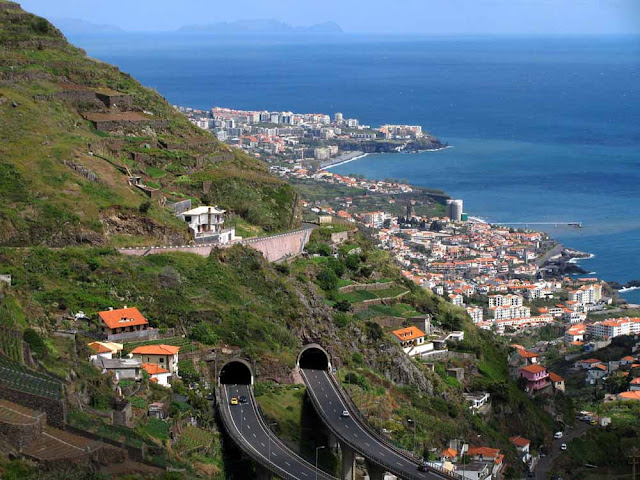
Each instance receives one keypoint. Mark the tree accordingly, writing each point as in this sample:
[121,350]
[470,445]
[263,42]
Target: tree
[327,279]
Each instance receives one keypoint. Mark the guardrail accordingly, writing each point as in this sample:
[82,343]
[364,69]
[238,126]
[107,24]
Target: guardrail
[391,468]
[364,422]
[246,446]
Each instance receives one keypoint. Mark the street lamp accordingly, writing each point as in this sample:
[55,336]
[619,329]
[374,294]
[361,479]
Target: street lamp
[270,425]
[317,448]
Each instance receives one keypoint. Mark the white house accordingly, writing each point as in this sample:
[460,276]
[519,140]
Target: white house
[165,356]
[412,340]
[207,225]
[157,374]
[101,350]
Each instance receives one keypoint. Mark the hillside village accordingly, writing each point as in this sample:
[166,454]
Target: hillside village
[466,344]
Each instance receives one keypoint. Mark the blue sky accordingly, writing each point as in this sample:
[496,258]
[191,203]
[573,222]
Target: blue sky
[555,17]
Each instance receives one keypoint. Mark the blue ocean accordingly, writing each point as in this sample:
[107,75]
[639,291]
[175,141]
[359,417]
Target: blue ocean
[541,129]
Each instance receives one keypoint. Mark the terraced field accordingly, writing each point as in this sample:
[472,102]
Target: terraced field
[19,377]
[17,414]
[56,444]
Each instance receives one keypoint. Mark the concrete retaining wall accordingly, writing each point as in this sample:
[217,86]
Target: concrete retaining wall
[274,247]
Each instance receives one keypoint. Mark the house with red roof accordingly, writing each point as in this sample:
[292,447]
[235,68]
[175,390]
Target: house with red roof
[412,340]
[522,445]
[535,377]
[157,374]
[166,356]
[122,320]
[628,360]
[587,364]
[557,381]
[635,395]
[634,385]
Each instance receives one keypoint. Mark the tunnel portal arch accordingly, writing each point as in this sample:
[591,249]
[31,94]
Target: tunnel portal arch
[314,357]
[236,372]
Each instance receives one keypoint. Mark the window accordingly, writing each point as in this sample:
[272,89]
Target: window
[161,360]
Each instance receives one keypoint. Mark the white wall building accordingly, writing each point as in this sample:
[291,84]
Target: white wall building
[207,225]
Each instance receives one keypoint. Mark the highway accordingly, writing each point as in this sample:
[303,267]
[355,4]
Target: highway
[328,400]
[246,426]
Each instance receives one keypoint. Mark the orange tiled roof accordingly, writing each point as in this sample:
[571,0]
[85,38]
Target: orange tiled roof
[628,358]
[98,347]
[527,354]
[519,441]
[635,395]
[154,369]
[555,377]
[484,451]
[449,453]
[122,317]
[635,381]
[534,368]
[156,350]
[409,333]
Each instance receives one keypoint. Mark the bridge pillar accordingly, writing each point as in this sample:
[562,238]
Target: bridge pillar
[262,473]
[333,442]
[374,471]
[348,463]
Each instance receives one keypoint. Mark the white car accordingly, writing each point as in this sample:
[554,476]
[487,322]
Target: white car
[557,435]
[563,446]
[344,413]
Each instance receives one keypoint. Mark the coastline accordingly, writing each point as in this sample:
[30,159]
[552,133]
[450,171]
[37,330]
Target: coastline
[352,156]
[341,161]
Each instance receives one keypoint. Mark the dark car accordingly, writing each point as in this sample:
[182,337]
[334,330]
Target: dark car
[243,399]
[424,467]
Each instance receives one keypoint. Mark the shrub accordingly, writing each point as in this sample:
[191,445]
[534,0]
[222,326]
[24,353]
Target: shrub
[144,206]
[374,331]
[343,306]
[327,279]
[319,248]
[203,332]
[35,342]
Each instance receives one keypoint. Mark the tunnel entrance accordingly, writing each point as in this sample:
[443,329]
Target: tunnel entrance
[236,372]
[314,357]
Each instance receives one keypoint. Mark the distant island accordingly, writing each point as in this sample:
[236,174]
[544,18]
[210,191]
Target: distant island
[70,26]
[261,26]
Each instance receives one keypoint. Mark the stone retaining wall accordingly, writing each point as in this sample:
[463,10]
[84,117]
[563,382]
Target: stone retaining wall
[20,435]
[55,409]
[365,286]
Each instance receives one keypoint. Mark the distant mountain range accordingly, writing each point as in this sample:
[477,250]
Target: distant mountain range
[262,26]
[74,25]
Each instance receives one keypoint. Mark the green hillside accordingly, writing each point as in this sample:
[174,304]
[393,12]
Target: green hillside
[72,132]
[54,192]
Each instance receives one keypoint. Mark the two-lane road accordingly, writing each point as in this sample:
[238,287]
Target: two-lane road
[350,431]
[263,444]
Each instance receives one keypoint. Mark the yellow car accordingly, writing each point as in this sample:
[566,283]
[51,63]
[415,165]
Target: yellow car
[233,401]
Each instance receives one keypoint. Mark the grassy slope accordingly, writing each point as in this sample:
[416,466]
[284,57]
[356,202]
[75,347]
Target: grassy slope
[45,201]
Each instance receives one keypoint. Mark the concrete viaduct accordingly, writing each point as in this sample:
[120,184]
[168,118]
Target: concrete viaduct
[349,432]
